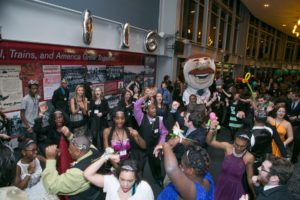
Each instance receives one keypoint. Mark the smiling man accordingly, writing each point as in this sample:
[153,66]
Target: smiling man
[199,72]
[273,175]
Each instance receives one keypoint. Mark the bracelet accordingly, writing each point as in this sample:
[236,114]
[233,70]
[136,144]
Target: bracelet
[105,156]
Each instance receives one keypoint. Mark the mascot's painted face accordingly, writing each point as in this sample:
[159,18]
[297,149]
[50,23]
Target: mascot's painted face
[199,72]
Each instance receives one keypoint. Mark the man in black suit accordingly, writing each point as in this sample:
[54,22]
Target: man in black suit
[271,181]
[60,98]
[294,108]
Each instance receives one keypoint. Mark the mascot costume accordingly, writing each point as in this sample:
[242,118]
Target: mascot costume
[199,72]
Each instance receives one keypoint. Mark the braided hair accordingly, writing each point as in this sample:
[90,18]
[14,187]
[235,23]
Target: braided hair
[127,132]
[197,158]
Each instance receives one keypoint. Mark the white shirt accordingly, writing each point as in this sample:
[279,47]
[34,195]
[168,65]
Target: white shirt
[267,187]
[112,185]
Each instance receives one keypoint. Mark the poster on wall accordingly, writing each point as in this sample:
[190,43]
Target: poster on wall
[96,73]
[131,71]
[51,80]
[10,88]
[32,71]
[98,85]
[114,73]
[74,74]
[111,88]
[16,123]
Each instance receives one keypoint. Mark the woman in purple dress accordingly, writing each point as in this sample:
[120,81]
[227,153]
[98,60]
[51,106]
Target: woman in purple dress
[121,138]
[237,161]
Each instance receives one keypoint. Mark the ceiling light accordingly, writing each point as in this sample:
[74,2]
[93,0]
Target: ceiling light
[266,5]
[192,12]
[283,24]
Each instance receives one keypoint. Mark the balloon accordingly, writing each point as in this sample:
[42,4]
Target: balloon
[285,72]
[277,72]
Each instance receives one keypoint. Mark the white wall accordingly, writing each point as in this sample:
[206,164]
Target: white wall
[32,22]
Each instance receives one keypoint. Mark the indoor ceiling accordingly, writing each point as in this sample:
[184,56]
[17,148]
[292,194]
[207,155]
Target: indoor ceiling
[277,14]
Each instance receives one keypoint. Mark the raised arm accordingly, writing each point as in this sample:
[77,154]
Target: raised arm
[183,185]
[91,174]
[137,110]
[211,141]
[137,138]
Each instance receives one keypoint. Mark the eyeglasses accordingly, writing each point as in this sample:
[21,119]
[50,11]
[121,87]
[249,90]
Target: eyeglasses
[261,168]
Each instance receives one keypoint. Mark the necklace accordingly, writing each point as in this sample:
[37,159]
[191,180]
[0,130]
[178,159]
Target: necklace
[238,155]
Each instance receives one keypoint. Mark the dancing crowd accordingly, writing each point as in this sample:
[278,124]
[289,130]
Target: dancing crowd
[80,148]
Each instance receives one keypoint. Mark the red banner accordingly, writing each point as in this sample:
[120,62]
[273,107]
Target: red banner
[24,53]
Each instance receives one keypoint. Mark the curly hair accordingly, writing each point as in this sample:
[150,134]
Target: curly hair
[197,158]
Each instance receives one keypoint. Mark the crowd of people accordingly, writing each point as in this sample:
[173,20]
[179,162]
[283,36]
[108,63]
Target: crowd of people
[82,149]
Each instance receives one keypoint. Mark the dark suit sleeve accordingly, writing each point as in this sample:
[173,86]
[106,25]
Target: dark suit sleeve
[176,116]
[278,141]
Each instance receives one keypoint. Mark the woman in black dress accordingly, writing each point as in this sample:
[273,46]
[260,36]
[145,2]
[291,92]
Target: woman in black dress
[98,112]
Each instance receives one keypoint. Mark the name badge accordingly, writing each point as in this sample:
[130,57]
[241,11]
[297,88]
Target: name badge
[96,111]
[123,152]
[129,114]
[65,99]
[156,131]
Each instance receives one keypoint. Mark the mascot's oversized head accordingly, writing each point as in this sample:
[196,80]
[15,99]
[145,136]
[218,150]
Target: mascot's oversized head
[199,71]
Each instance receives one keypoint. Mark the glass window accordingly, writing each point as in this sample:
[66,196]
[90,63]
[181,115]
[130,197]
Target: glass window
[298,53]
[236,32]
[288,52]
[228,36]
[200,23]
[213,28]
[276,49]
[188,19]
[221,34]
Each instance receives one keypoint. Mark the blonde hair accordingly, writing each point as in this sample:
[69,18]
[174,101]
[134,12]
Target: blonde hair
[76,96]
[94,91]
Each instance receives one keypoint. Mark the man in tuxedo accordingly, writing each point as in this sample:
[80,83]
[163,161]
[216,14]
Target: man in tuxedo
[271,181]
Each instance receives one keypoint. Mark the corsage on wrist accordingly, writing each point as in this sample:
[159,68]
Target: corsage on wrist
[108,151]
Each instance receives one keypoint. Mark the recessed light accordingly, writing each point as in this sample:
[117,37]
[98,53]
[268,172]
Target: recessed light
[283,24]
[266,5]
